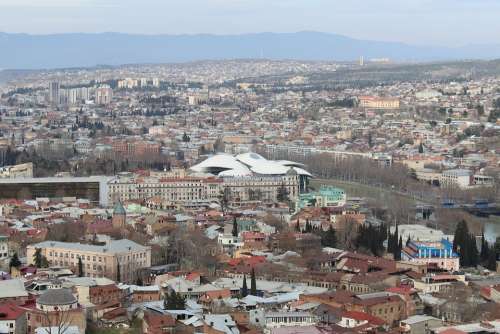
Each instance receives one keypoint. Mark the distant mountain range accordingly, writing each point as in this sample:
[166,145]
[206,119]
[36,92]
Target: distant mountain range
[23,51]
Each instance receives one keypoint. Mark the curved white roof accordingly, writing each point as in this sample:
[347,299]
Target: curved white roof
[245,165]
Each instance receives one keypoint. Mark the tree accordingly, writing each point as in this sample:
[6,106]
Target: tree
[14,261]
[282,195]
[185,138]
[297,226]
[421,148]
[253,283]
[493,256]
[40,260]
[235,227]
[118,273]
[485,249]
[174,301]
[244,289]
[80,267]
[464,243]
[329,238]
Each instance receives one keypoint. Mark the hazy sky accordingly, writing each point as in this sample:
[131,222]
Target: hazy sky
[424,22]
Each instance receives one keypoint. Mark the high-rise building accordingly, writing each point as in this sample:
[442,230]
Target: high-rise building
[103,95]
[54,96]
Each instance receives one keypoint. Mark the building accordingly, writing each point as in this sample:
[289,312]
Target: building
[103,95]
[289,319]
[54,92]
[119,219]
[4,251]
[94,188]
[21,170]
[13,290]
[461,178]
[251,164]
[12,319]
[117,260]
[56,308]
[439,254]
[420,324]
[189,190]
[375,102]
[326,196]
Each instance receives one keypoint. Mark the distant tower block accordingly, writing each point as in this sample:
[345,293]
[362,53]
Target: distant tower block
[361,61]
[119,216]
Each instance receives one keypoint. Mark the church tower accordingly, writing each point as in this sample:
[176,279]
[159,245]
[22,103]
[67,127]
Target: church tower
[119,216]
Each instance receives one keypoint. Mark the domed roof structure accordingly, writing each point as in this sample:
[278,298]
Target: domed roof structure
[55,297]
[247,164]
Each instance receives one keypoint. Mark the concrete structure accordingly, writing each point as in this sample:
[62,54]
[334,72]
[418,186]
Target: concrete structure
[326,196]
[54,92]
[94,188]
[374,102]
[436,253]
[21,170]
[98,261]
[55,308]
[461,178]
[103,95]
[420,324]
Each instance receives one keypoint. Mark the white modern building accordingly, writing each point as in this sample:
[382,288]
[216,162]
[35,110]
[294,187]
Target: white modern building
[250,164]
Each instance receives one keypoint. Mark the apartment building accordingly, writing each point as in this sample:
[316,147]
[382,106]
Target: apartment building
[121,258]
[202,189]
[374,102]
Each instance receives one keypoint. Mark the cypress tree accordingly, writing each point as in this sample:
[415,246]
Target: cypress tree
[235,227]
[253,283]
[118,273]
[14,261]
[485,249]
[80,267]
[244,289]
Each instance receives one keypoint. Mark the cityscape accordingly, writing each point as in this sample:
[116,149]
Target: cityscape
[277,193]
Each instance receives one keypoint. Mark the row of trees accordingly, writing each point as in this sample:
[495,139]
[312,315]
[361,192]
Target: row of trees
[395,245]
[253,285]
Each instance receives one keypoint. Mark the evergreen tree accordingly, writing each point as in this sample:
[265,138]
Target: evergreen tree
[14,261]
[174,301]
[464,244]
[235,227]
[39,260]
[421,148]
[118,273]
[485,249]
[460,237]
[244,289]
[253,283]
[80,267]
[297,226]
[329,238]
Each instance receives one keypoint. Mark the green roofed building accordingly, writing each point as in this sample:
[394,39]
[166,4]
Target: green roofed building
[326,196]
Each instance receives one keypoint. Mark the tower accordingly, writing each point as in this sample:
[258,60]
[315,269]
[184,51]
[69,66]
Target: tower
[119,216]
[54,93]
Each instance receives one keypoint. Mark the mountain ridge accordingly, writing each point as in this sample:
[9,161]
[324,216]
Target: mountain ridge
[113,48]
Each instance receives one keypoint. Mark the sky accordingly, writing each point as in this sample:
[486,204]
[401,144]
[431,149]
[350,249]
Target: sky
[418,22]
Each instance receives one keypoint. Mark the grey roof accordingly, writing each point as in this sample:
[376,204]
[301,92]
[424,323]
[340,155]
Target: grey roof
[57,297]
[113,246]
[12,288]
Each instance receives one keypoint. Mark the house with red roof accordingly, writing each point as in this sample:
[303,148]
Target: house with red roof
[12,319]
